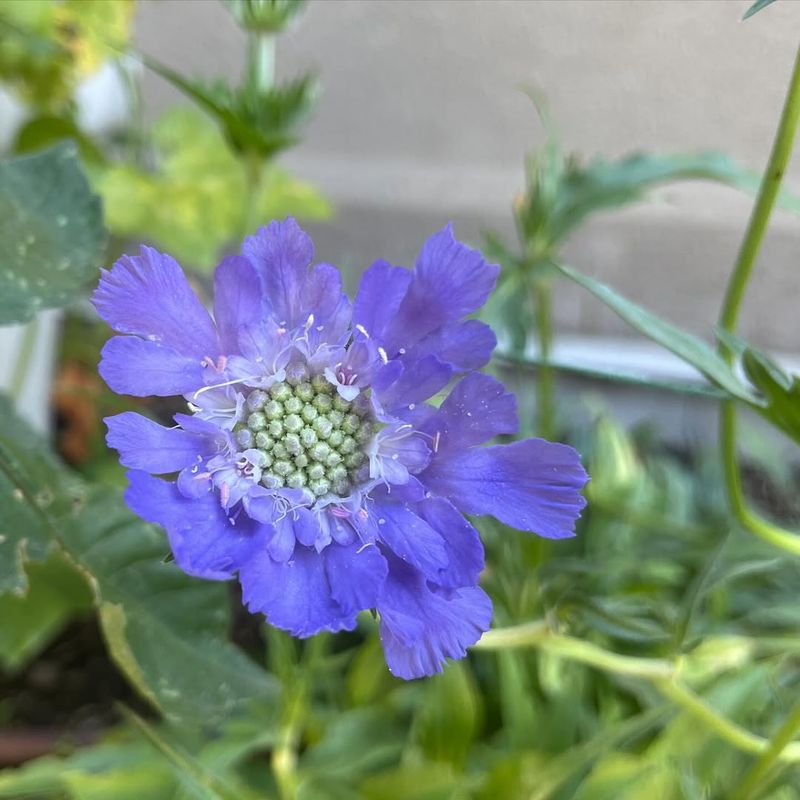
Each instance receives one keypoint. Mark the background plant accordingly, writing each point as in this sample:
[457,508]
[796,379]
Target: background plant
[654,655]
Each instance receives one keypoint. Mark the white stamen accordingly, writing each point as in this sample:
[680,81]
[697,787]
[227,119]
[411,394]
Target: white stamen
[382,354]
[361,329]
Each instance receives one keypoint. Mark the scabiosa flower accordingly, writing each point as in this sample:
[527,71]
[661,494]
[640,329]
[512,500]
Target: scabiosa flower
[312,463]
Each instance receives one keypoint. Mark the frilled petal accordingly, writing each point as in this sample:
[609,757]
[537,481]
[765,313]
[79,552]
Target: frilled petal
[148,295]
[417,382]
[204,541]
[465,558]
[145,445]
[281,253]
[137,367]
[294,595]
[356,573]
[238,302]
[478,409]
[465,345]
[450,280]
[420,627]
[410,538]
[533,485]
[380,294]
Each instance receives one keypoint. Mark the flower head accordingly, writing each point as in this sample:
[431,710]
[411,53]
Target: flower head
[313,464]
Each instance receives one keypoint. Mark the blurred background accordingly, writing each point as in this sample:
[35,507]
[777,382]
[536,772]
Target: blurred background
[625,139]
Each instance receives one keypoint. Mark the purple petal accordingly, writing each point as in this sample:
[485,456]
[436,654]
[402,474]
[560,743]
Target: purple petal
[420,628]
[380,294]
[134,366]
[294,595]
[478,409]
[450,281]
[467,344]
[462,543]
[533,485]
[148,295]
[146,445]
[281,545]
[356,573]
[410,538]
[202,538]
[281,253]
[418,381]
[237,301]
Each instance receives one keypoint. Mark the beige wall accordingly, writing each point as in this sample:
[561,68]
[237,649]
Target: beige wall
[421,121]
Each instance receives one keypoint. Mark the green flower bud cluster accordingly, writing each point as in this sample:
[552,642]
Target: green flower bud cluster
[311,437]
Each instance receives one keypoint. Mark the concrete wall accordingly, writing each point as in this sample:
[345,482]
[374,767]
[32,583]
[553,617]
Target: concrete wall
[421,120]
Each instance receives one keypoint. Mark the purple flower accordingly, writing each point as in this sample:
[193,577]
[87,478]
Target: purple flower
[313,464]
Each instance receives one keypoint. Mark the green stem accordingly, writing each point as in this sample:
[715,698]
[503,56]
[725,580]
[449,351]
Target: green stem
[662,673]
[545,377]
[729,315]
[759,219]
[261,61]
[779,742]
[20,372]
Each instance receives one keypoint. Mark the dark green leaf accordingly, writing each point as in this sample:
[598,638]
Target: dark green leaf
[168,632]
[56,592]
[51,233]
[781,391]
[756,7]
[690,348]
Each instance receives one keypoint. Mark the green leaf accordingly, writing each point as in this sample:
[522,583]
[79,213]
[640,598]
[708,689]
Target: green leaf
[167,631]
[756,7]
[687,346]
[199,781]
[56,592]
[253,121]
[33,487]
[781,391]
[449,716]
[417,782]
[51,233]
[264,16]
[196,200]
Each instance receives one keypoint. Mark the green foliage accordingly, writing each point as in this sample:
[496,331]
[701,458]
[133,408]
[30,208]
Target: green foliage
[688,347]
[151,640]
[55,592]
[51,242]
[756,7]
[255,120]
[47,47]
[197,201]
[264,16]
[781,392]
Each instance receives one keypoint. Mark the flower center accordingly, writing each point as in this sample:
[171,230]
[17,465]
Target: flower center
[310,437]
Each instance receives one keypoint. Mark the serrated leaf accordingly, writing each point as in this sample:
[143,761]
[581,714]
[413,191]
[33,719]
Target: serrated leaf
[51,232]
[168,632]
[692,349]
